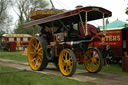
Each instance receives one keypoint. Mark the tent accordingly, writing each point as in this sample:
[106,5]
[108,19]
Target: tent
[117,24]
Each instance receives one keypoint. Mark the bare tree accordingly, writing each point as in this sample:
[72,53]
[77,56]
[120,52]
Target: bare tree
[126,11]
[23,8]
[4,17]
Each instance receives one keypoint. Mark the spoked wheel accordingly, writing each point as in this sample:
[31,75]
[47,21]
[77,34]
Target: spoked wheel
[93,60]
[36,54]
[67,62]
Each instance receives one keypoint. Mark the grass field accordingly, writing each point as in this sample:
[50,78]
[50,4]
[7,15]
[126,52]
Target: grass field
[113,68]
[116,68]
[14,56]
[11,76]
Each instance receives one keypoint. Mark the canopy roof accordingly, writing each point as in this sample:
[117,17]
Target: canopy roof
[44,13]
[93,13]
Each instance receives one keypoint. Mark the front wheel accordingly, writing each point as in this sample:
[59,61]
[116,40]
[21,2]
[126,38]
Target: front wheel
[93,60]
[37,53]
[67,62]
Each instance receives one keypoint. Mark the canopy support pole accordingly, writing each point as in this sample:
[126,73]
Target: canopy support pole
[103,26]
[86,24]
[82,24]
[104,34]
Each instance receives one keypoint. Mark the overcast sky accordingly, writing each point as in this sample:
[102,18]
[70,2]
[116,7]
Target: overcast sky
[116,6]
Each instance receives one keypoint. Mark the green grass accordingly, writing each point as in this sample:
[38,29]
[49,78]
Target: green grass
[116,68]
[11,76]
[13,56]
[113,68]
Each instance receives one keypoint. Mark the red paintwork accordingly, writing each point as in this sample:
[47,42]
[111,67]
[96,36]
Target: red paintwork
[125,64]
[12,46]
[91,29]
[114,39]
[127,40]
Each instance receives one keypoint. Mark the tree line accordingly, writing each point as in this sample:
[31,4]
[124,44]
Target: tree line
[22,9]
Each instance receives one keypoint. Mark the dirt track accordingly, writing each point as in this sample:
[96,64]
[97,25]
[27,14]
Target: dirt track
[80,75]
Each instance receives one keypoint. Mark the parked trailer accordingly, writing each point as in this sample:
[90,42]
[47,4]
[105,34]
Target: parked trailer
[64,40]
[115,44]
[11,41]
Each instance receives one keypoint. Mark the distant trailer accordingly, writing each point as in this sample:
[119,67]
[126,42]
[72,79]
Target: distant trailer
[115,44]
[11,41]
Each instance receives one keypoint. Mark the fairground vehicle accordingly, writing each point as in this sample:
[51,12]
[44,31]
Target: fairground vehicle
[115,44]
[64,40]
[11,41]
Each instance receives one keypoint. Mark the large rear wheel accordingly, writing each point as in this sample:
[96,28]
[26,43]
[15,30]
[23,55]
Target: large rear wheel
[37,54]
[93,60]
[67,62]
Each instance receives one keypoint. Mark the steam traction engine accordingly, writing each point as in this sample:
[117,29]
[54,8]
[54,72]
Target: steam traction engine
[65,40]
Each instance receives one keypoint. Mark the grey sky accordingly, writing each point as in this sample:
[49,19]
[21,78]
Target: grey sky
[116,6]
